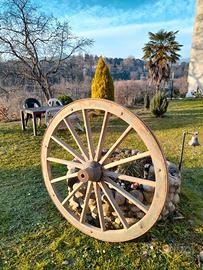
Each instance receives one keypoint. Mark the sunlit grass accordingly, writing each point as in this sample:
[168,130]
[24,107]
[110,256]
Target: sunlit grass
[35,236]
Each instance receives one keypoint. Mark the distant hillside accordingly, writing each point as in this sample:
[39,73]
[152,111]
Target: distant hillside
[134,69]
[80,69]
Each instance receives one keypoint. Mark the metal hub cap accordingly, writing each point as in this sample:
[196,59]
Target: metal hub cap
[92,172]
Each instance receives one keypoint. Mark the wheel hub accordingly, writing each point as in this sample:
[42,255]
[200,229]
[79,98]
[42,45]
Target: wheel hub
[92,172]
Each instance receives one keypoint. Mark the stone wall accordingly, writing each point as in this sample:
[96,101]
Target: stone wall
[142,193]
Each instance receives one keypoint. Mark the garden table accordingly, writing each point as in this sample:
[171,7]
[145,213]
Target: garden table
[34,112]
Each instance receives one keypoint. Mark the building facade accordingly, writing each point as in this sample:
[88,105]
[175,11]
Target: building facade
[195,74]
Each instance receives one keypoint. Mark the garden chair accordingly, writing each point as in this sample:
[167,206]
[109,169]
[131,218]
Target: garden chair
[55,106]
[54,102]
[31,103]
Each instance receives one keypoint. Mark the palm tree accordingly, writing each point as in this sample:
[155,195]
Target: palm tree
[160,53]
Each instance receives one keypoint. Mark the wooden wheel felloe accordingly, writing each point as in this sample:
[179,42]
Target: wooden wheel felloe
[95,172]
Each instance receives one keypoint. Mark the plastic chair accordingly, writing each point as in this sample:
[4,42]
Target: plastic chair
[54,108]
[54,102]
[31,103]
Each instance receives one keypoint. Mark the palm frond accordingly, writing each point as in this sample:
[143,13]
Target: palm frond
[161,50]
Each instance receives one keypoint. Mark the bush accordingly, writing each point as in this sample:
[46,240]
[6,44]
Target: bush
[136,101]
[102,83]
[146,101]
[176,92]
[65,99]
[198,93]
[4,115]
[182,95]
[130,93]
[159,104]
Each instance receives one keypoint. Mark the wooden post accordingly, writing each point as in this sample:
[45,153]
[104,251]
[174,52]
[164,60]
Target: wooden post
[34,124]
[182,150]
[22,117]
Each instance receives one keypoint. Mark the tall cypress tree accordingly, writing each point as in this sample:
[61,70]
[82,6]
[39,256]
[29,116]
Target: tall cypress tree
[102,83]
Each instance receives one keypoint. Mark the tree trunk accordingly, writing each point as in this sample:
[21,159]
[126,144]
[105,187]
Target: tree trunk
[45,87]
[47,92]
[158,83]
[157,87]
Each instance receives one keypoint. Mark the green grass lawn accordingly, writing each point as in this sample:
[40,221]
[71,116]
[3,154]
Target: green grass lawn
[34,235]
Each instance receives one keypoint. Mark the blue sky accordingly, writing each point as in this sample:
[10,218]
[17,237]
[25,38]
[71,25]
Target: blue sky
[120,28]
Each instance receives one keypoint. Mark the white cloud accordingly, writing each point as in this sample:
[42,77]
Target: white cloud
[122,41]
[184,26]
[119,32]
[99,17]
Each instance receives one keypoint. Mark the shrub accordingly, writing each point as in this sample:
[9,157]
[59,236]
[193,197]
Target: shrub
[65,99]
[129,93]
[136,101]
[176,92]
[198,93]
[146,101]
[102,83]
[182,95]
[4,114]
[159,104]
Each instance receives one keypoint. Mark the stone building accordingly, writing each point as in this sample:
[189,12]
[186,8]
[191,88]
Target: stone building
[195,75]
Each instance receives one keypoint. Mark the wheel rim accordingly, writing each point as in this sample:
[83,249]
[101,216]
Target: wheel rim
[106,182]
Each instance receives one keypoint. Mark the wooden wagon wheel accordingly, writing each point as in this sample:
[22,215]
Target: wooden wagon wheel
[95,172]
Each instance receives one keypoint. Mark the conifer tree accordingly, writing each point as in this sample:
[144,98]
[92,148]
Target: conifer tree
[159,104]
[102,83]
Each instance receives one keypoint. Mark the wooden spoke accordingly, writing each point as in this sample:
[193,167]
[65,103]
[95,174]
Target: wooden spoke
[88,134]
[85,206]
[72,193]
[65,177]
[97,191]
[126,160]
[66,162]
[116,144]
[76,138]
[126,194]
[130,178]
[68,148]
[114,204]
[102,136]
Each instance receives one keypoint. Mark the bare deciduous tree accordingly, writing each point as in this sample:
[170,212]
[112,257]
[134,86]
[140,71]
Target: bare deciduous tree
[129,92]
[10,80]
[39,42]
